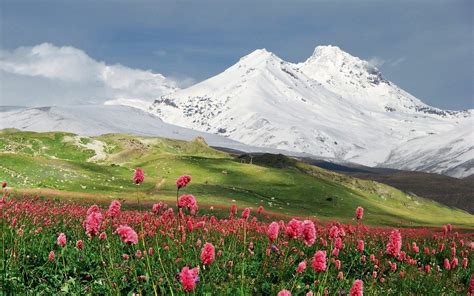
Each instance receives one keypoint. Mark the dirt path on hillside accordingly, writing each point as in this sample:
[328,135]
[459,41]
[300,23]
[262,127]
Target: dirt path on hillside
[54,192]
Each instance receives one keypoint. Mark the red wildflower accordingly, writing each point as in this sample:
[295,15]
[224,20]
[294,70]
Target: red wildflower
[246,213]
[182,181]
[93,223]
[4,184]
[127,234]
[93,209]
[188,201]
[394,244]
[139,176]
[284,293]
[51,256]
[360,245]
[293,228]
[334,232]
[272,231]
[80,244]
[427,268]
[447,264]
[157,207]
[138,254]
[62,239]
[207,254]
[260,210]
[301,266]
[319,261]
[114,209]
[359,213]
[103,236]
[394,266]
[189,278]
[471,285]
[357,288]
[308,232]
[338,243]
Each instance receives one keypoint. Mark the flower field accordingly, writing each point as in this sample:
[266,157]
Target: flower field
[52,247]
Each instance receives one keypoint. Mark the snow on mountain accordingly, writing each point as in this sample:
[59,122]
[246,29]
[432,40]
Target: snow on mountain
[450,153]
[93,120]
[333,105]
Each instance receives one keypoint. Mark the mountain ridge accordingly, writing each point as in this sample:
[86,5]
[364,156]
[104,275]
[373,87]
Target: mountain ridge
[334,105]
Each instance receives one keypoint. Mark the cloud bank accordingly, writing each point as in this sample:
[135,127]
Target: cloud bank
[49,75]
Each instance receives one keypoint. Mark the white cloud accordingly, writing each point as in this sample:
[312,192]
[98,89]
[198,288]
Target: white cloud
[46,74]
[397,61]
[379,62]
[376,62]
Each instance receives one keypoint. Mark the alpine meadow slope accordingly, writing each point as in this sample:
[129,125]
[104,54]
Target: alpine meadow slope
[98,169]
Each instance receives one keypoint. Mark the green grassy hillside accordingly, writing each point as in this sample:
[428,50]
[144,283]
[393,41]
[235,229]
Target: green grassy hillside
[101,167]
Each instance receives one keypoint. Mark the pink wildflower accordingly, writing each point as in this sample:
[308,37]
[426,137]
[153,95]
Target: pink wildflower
[308,232]
[319,261]
[338,243]
[188,201]
[127,234]
[207,254]
[103,236]
[93,209]
[360,245]
[470,289]
[246,213]
[394,244]
[293,228]
[93,223]
[139,176]
[272,231]
[188,278]
[357,288]
[284,293]
[80,244]
[301,266]
[260,210]
[138,254]
[359,213]
[334,232]
[51,256]
[114,209]
[182,181]
[157,207]
[62,239]
[447,264]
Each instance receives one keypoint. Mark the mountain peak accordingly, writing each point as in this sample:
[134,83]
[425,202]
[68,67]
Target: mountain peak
[260,54]
[325,50]
[330,54]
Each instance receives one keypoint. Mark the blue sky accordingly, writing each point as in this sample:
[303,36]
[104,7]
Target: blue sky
[426,47]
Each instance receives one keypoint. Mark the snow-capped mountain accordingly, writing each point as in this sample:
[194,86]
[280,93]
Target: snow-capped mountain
[94,120]
[332,105]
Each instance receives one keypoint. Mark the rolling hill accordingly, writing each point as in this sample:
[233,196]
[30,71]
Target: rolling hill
[100,167]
